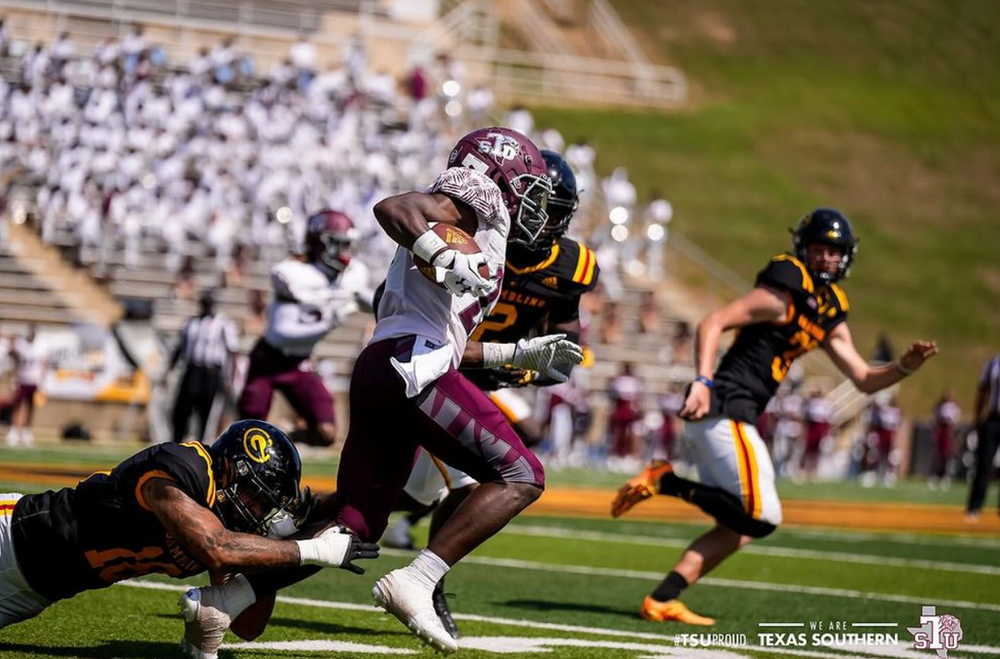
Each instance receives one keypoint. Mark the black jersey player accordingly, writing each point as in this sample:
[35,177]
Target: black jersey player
[795,307]
[174,509]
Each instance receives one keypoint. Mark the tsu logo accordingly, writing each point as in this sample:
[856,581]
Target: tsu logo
[938,633]
[502,147]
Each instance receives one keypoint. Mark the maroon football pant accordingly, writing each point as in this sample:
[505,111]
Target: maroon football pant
[270,370]
[452,418]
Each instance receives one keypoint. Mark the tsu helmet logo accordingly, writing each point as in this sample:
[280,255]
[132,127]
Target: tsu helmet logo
[939,633]
[256,442]
[502,148]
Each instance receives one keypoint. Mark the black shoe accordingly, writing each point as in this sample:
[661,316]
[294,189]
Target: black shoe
[442,611]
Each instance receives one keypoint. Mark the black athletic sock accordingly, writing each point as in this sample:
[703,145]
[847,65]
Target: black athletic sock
[713,500]
[670,588]
[673,485]
[264,583]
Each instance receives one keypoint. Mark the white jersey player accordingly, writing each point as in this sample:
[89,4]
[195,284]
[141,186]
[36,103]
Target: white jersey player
[406,390]
[310,299]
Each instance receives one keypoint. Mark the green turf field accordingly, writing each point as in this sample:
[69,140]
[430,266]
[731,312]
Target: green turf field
[561,587]
[93,457]
[887,109]
[570,588]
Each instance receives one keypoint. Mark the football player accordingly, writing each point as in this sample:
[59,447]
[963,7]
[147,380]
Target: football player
[406,390]
[796,306]
[312,295]
[175,509]
[542,285]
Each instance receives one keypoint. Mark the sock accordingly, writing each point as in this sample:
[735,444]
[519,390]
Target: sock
[670,588]
[674,486]
[430,567]
[237,595]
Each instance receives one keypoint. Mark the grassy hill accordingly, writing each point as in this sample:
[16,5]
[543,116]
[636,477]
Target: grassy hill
[888,110]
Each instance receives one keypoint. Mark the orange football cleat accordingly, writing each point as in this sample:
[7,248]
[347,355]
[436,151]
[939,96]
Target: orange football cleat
[674,610]
[640,488]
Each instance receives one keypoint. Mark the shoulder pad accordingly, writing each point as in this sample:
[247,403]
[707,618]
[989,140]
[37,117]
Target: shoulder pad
[294,281]
[188,464]
[786,272]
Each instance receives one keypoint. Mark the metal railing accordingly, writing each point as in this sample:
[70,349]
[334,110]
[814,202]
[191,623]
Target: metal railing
[301,15]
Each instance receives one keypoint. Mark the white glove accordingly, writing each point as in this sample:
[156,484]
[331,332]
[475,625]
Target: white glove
[542,354]
[461,273]
[335,548]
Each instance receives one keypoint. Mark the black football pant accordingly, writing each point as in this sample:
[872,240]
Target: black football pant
[986,449]
[195,394]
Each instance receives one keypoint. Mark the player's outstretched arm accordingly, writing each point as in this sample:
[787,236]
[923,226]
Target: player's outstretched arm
[867,377]
[201,533]
[541,354]
[761,305]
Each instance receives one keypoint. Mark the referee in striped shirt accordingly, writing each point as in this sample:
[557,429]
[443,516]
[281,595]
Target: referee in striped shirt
[987,424]
[207,343]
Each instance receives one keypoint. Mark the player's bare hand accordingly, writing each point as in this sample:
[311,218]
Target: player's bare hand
[918,353]
[697,403]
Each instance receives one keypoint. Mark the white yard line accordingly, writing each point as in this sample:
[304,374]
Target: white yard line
[713,581]
[670,650]
[786,552]
[930,539]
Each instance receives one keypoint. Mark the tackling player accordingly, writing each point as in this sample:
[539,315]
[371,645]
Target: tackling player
[796,306]
[311,297]
[542,285]
[406,391]
[175,509]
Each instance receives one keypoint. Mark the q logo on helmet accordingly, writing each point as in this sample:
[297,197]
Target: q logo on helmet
[256,442]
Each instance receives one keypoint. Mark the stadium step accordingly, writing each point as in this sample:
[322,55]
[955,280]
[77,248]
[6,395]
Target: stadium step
[84,299]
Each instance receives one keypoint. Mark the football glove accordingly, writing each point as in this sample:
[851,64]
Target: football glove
[461,273]
[336,548]
[541,354]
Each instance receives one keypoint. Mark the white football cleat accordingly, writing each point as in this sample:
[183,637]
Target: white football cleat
[407,598]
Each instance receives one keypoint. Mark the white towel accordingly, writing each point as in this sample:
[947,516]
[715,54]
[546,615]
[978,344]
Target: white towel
[428,363]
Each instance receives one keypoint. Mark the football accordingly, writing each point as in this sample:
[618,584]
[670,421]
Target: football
[456,239]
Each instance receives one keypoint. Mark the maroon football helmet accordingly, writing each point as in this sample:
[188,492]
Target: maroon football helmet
[330,239]
[516,165]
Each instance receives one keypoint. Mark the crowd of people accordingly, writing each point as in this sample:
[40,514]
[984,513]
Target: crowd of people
[121,140]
